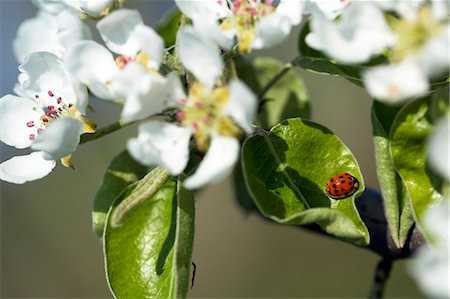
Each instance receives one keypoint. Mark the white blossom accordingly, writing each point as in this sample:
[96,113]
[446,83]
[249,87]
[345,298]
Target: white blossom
[254,24]
[139,48]
[46,117]
[49,32]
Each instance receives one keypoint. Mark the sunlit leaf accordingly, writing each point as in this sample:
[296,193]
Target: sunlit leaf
[149,254]
[287,170]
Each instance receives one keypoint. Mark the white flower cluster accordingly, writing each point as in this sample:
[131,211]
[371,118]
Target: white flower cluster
[415,42]
[62,64]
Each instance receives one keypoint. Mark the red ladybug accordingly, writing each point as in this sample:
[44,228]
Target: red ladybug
[341,186]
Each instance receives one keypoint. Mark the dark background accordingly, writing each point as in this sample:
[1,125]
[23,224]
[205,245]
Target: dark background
[49,251]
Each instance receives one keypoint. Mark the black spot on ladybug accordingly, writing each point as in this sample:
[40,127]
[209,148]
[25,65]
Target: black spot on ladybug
[343,182]
[334,186]
[341,176]
[336,191]
[342,189]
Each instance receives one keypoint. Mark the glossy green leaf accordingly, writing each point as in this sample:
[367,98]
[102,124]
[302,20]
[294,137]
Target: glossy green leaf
[396,202]
[122,172]
[168,27]
[287,98]
[287,170]
[149,254]
[408,136]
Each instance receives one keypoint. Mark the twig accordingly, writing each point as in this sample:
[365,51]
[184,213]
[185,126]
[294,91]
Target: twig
[286,68]
[380,278]
[104,131]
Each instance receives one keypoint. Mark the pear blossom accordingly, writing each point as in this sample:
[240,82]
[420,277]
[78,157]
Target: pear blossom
[214,115]
[49,32]
[254,24]
[431,265]
[140,52]
[47,117]
[394,83]
[361,33]
[95,9]
[420,54]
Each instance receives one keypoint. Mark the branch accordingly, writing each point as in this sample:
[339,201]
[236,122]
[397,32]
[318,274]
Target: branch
[382,272]
[286,68]
[104,131]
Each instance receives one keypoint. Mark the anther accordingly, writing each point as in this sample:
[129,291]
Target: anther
[50,93]
[30,124]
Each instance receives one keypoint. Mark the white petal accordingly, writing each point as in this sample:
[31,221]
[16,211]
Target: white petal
[199,56]
[50,6]
[150,95]
[163,144]
[43,73]
[396,82]
[125,78]
[438,149]
[217,164]
[434,57]
[71,28]
[93,65]
[21,169]
[210,29]
[291,10]
[242,105]
[16,112]
[151,44]
[330,8]
[95,8]
[37,34]
[430,268]
[361,33]
[271,31]
[117,31]
[195,9]
[59,139]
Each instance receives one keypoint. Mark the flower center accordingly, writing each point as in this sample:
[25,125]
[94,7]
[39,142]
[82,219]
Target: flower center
[413,35]
[58,109]
[203,112]
[141,58]
[245,14]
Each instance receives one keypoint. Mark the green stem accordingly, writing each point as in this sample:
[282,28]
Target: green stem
[146,188]
[380,278]
[286,68]
[104,131]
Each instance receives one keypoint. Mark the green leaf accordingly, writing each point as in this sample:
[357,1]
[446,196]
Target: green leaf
[122,172]
[287,98]
[149,254]
[168,27]
[396,202]
[408,135]
[287,170]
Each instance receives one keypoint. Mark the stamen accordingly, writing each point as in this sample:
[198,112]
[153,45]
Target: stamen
[180,115]
[50,93]
[32,137]
[59,100]
[195,126]
[30,124]
[36,96]
[207,119]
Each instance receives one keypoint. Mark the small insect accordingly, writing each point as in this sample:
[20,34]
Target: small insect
[341,186]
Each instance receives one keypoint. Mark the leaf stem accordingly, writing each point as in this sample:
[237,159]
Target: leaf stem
[283,71]
[104,131]
[382,272]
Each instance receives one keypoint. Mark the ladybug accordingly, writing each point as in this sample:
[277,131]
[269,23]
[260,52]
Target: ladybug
[341,186]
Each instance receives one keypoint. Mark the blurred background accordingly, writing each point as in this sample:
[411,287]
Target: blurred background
[48,249]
